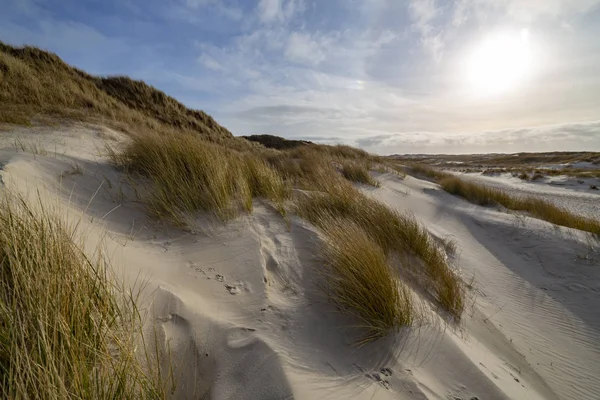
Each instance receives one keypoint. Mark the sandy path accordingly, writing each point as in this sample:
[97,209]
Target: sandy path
[238,307]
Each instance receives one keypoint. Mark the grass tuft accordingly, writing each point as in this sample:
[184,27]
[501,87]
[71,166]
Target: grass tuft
[536,207]
[356,172]
[359,280]
[65,331]
[188,174]
[393,232]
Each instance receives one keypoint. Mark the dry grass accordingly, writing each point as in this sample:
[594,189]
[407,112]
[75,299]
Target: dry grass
[65,331]
[356,172]
[359,280]
[188,174]
[429,172]
[34,82]
[394,233]
[536,207]
[190,163]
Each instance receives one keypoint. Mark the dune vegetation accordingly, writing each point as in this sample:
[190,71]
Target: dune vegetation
[357,278]
[66,330]
[38,84]
[188,174]
[484,195]
[356,172]
[399,236]
[184,163]
[534,206]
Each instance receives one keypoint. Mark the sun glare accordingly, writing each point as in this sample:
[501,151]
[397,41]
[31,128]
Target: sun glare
[500,62]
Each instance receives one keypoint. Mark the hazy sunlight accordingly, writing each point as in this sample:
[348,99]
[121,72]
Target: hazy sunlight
[500,62]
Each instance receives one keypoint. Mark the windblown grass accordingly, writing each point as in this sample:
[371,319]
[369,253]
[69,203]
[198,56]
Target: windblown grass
[188,174]
[359,280]
[35,82]
[394,233]
[65,331]
[427,171]
[356,172]
[534,206]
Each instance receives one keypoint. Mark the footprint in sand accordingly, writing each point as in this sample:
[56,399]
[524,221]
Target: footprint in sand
[238,288]
[232,289]
[380,376]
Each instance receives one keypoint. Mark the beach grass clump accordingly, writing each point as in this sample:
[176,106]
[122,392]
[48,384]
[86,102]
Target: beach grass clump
[395,233]
[359,280]
[188,174]
[357,172]
[66,331]
[427,171]
[534,206]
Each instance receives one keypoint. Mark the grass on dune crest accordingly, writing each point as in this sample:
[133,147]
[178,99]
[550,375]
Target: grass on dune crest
[35,83]
[536,207]
[66,332]
[188,174]
[190,163]
[393,232]
[358,173]
[359,280]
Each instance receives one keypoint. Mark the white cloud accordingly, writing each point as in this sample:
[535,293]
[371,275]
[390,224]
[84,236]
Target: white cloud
[270,11]
[521,11]
[209,62]
[302,48]
[229,11]
[423,14]
[575,136]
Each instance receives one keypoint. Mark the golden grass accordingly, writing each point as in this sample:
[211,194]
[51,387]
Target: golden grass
[34,82]
[188,174]
[534,206]
[190,163]
[356,172]
[426,171]
[65,331]
[359,280]
[394,233]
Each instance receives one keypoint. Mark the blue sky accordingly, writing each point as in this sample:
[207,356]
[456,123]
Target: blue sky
[390,76]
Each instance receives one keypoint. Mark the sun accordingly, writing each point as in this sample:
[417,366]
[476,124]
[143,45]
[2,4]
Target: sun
[500,63]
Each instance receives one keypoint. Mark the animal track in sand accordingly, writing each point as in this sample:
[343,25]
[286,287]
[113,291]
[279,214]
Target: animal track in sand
[238,287]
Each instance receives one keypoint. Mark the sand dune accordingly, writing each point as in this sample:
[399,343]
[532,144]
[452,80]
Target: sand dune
[238,309]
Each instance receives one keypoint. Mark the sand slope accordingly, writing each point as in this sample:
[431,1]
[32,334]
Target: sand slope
[237,307]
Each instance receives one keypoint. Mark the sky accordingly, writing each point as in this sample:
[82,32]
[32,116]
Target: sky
[390,76]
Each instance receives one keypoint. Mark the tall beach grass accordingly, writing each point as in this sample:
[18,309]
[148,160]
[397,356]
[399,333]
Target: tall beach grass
[66,330]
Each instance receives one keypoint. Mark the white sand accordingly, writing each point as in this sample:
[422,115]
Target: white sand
[238,307]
